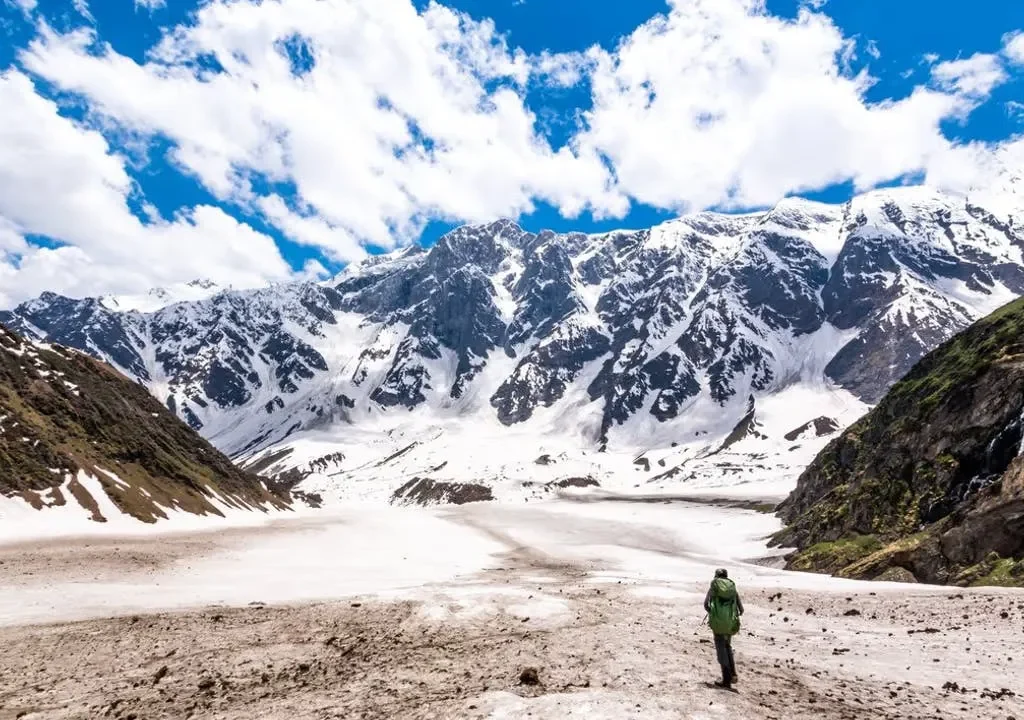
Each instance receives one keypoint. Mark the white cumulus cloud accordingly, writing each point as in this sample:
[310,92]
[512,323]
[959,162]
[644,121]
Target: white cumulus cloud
[350,123]
[27,7]
[82,8]
[1013,47]
[718,103]
[400,116]
[61,180]
[975,76]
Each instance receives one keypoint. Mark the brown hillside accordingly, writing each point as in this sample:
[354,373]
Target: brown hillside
[62,412]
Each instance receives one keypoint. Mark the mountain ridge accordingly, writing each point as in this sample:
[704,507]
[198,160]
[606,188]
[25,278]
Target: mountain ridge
[624,339]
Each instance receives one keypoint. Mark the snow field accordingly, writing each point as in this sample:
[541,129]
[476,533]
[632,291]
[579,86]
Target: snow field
[451,559]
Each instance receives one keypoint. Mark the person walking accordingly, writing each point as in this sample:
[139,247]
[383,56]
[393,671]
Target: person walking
[724,607]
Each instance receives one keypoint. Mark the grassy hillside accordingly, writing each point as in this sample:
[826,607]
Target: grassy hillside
[61,412]
[928,486]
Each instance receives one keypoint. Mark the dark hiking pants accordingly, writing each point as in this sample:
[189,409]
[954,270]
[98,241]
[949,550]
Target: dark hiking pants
[723,647]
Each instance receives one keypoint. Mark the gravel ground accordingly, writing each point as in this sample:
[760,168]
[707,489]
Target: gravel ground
[602,647]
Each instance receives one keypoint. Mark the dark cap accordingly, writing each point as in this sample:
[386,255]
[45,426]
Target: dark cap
[721,573]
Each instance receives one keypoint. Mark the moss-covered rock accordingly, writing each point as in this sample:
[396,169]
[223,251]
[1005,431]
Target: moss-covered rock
[994,570]
[931,473]
[833,556]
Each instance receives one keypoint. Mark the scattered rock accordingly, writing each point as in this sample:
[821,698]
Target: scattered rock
[853,612]
[822,426]
[529,676]
[897,574]
[577,482]
[1001,694]
[160,674]
[424,491]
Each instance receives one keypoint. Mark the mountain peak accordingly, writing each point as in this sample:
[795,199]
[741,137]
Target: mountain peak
[160,297]
[202,284]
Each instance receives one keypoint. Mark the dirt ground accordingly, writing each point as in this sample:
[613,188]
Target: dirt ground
[602,648]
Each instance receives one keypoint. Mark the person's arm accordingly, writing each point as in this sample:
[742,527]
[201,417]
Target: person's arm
[739,603]
[707,601]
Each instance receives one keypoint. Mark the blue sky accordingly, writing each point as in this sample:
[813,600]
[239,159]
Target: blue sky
[927,80]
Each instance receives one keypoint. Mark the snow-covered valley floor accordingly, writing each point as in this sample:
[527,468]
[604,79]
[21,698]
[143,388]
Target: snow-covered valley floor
[382,612]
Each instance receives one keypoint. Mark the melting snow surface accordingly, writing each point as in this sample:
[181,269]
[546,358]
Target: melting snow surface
[20,522]
[440,556]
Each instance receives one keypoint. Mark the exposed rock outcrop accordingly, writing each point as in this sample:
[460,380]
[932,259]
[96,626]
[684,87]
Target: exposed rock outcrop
[424,491]
[932,480]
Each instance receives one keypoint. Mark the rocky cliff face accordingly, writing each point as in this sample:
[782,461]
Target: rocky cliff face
[68,422]
[624,339]
[929,485]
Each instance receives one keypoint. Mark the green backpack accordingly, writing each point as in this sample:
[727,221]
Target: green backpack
[724,616]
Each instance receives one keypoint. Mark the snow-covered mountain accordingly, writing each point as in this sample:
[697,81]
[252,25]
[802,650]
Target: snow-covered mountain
[161,297]
[533,358]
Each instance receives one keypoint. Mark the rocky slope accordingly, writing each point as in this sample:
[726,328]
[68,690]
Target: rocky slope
[929,485]
[71,427]
[622,341]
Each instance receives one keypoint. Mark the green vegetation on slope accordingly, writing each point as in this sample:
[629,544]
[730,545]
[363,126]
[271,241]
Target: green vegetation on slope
[931,475]
[61,412]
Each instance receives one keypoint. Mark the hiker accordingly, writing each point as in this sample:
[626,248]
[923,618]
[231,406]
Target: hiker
[724,607]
